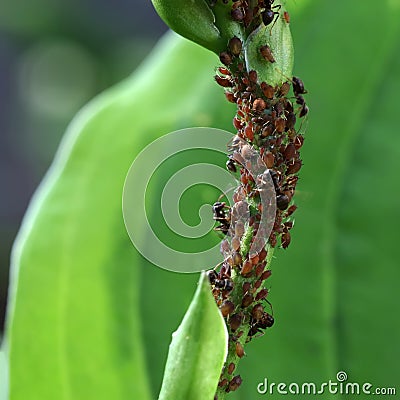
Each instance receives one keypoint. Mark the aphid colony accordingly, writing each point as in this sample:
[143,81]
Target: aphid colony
[267,122]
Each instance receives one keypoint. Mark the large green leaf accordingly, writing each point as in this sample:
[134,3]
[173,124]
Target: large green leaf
[3,376]
[197,351]
[74,327]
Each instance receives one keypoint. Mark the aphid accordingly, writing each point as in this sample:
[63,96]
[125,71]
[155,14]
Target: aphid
[235,46]
[234,383]
[239,350]
[286,17]
[231,368]
[237,14]
[259,105]
[247,300]
[225,58]
[235,321]
[267,53]
[224,82]
[227,307]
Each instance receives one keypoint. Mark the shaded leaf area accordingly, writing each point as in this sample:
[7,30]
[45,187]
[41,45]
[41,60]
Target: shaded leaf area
[197,351]
[74,326]
[333,289]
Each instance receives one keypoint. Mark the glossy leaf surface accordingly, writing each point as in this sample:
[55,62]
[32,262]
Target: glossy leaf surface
[197,351]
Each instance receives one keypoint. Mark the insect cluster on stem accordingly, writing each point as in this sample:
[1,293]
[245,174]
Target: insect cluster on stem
[268,121]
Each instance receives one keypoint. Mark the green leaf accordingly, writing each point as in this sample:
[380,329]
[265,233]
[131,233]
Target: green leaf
[197,351]
[74,319]
[192,19]
[279,39]
[3,375]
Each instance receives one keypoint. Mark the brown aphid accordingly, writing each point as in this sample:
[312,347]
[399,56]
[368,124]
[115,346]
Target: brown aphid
[237,259]
[239,229]
[224,82]
[235,46]
[257,311]
[290,120]
[225,58]
[247,268]
[235,321]
[262,294]
[223,382]
[257,284]
[290,151]
[284,89]
[267,53]
[253,76]
[298,141]
[268,130]
[268,90]
[227,307]
[259,269]
[286,240]
[259,105]
[294,167]
[234,384]
[246,287]
[254,259]
[237,123]
[231,368]
[291,210]
[248,131]
[236,243]
[262,255]
[230,97]
[237,14]
[280,124]
[266,274]
[248,17]
[247,300]
[239,350]
[286,17]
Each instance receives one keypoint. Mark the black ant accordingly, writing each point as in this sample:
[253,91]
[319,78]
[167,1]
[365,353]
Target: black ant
[298,90]
[224,284]
[260,320]
[231,165]
[222,216]
[268,15]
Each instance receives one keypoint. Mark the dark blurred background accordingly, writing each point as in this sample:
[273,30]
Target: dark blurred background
[55,55]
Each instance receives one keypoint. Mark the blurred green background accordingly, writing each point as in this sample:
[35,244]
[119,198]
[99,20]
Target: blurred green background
[92,318]
[54,57]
